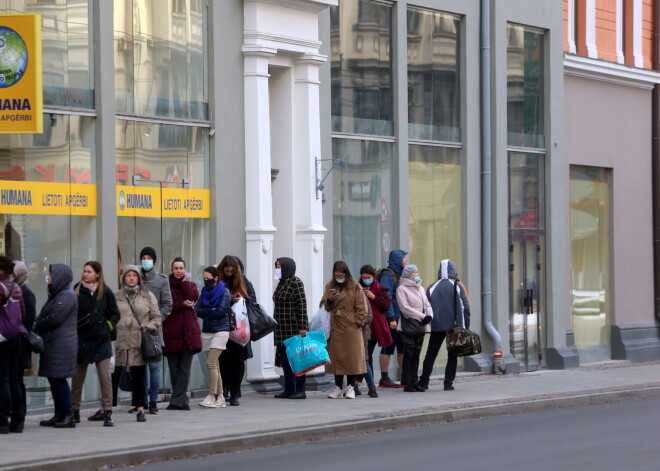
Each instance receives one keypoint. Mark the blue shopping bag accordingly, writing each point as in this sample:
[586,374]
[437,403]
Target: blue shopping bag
[306,353]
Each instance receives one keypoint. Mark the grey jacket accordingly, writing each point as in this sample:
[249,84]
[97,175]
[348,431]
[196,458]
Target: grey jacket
[159,285]
[58,325]
[448,300]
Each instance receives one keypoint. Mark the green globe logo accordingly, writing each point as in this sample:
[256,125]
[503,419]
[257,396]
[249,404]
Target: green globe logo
[13,57]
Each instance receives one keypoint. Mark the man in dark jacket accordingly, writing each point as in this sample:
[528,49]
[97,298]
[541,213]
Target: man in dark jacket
[451,310]
[159,285]
[389,278]
[57,323]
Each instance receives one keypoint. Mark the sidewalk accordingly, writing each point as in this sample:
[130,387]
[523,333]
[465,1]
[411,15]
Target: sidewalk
[262,421]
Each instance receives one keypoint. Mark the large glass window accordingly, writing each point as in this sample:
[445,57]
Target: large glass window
[364,204]
[68,77]
[433,75]
[435,214]
[160,58]
[590,261]
[525,87]
[361,63]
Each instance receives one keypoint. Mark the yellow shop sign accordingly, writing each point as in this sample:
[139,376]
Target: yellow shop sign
[73,199]
[166,202]
[21,91]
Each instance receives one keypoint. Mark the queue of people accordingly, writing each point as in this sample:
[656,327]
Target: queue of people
[387,308]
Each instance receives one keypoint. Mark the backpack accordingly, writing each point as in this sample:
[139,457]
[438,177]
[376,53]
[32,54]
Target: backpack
[11,317]
[381,271]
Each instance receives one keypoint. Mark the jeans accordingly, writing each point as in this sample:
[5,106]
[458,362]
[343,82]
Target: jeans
[412,348]
[151,382]
[12,398]
[370,377]
[179,364]
[435,342]
[292,383]
[61,392]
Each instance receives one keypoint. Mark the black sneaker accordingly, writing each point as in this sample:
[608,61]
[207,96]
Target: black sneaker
[153,407]
[98,416]
[133,410]
[387,383]
[424,383]
[357,390]
[373,393]
[449,387]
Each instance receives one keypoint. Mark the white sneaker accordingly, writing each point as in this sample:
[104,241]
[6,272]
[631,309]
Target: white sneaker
[335,393]
[209,401]
[349,392]
[220,402]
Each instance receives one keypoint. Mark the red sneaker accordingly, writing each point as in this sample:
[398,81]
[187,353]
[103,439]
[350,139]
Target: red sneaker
[387,383]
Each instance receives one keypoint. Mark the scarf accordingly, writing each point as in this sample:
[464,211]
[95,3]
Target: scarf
[91,286]
[212,298]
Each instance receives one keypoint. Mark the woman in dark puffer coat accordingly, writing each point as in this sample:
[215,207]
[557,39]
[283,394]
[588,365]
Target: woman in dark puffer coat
[57,324]
[181,334]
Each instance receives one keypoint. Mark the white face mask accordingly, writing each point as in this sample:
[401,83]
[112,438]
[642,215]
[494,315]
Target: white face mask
[340,280]
[278,273]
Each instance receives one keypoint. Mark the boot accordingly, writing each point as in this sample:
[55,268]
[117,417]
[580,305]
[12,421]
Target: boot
[107,419]
[51,422]
[76,415]
[66,422]
[96,417]
[153,407]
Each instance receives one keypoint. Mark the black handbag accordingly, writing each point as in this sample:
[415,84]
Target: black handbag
[125,379]
[411,327]
[152,352]
[85,322]
[36,342]
[261,323]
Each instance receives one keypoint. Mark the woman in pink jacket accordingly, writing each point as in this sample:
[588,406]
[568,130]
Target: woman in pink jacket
[416,314]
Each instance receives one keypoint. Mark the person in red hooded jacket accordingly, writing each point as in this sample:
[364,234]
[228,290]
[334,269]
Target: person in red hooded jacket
[181,334]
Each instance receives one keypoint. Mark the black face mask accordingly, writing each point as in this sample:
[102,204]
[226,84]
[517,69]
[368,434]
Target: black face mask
[209,284]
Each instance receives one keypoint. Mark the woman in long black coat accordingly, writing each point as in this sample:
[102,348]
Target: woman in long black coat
[56,323]
[98,315]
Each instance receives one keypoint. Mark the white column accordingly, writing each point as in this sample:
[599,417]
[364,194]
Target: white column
[638,53]
[310,231]
[620,56]
[259,229]
[592,50]
[571,27]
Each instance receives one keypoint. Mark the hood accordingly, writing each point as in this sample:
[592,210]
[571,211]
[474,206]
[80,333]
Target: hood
[288,267]
[62,276]
[134,268]
[447,270]
[20,272]
[395,261]
[240,264]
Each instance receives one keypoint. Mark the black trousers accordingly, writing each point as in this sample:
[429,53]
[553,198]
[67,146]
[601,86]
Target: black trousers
[435,342]
[137,379]
[232,368]
[412,348]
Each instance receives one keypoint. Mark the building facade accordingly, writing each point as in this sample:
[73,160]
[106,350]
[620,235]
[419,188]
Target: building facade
[491,133]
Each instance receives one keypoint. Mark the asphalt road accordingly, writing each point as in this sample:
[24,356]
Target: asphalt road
[621,436]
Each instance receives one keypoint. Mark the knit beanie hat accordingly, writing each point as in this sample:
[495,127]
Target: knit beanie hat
[150,251]
[408,270]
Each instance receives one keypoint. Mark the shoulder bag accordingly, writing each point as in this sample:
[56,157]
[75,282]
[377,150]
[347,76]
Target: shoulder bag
[152,352]
[413,327]
[464,342]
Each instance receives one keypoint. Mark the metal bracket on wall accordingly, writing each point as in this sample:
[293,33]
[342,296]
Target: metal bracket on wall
[323,169]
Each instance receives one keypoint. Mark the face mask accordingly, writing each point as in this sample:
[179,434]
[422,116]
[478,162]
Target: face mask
[147,265]
[340,280]
[417,279]
[208,284]
[131,288]
[278,273]
[46,278]
[368,281]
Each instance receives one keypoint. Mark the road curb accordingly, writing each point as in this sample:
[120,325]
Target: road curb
[402,420]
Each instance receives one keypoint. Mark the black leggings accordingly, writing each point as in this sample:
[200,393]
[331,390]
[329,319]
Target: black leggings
[232,368]
[350,380]
[137,379]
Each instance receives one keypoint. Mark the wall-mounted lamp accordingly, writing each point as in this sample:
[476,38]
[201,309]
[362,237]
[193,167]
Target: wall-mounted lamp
[323,169]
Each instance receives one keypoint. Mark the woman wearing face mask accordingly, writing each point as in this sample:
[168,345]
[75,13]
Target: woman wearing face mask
[380,302]
[415,306]
[181,334]
[98,315]
[134,302]
[214,307]
[344,298]
[290,312]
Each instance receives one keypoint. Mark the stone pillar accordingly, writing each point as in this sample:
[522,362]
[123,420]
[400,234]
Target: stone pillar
[259,229]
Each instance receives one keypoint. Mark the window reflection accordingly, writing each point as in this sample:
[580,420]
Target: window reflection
[160,58]
[525,69]
[68,78]
[526,191]
[363,203]
[360,33]
[433,75]
[435,215]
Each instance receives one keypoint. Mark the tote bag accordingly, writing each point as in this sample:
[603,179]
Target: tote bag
[306,353]
[241,334]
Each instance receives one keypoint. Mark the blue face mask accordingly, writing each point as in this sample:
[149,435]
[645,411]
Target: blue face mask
[417,279]
[368,281]
[131,288]
[147,265]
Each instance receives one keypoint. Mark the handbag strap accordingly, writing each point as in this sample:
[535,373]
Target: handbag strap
[130,304]
[457,304]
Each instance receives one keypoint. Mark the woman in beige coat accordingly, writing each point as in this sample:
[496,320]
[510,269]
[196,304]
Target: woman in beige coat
[344,298]
[129,335]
